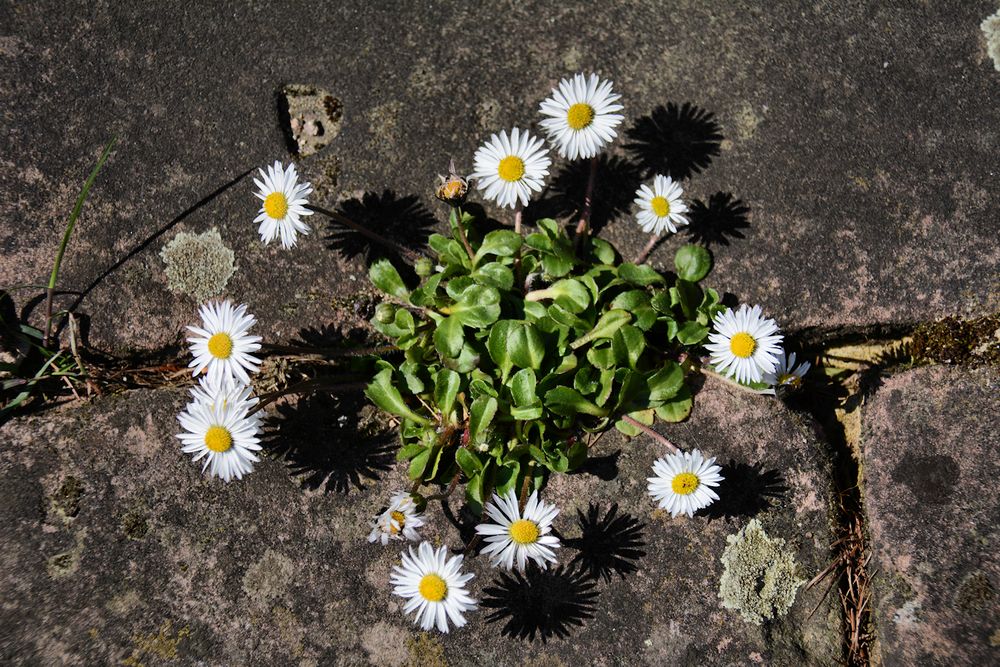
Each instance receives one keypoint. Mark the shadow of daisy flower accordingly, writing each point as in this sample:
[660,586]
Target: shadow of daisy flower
[404,220]
[543,603]
[676,141]
[609,544]
[745,491]
[722,218]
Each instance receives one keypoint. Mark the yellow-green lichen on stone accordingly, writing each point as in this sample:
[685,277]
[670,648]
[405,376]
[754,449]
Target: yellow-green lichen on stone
[198,265]
[759,580]
[991,30]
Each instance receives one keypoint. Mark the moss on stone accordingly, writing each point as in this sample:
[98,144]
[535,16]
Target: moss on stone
[67,499]
[198,265]
[759,579]
[956,341]
[426,651]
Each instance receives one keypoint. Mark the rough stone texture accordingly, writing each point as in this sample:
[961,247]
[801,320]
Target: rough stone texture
[115,549]
[932,458]
[862,137]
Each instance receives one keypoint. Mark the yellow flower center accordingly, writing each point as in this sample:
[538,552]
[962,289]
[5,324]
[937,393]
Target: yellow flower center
[580,115]
[276,205]
[220,346]
[660,206]
[433,588]
[511,168]
[218,439]
[685,483]
[399,518]
[742,345]
[523,531]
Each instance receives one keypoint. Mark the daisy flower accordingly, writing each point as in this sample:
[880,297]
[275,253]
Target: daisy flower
[513,536]
[682,481]
[218,429]
[434,586]
[745,344]
[398,522]
[786,373]
[283,201]
[222,344]
[508,170]
[582,116]
[661,207]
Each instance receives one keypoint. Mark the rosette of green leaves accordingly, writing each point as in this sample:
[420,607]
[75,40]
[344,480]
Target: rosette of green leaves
[518,349]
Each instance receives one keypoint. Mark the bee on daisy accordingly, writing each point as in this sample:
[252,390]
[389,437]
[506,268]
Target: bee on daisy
[283,205]
[745,344]
[508,169]
[222,345]
[219,428]
[398,522]
[661,207]
[682,482]
[581,116]
[516,537]
[786,373]
[434,587]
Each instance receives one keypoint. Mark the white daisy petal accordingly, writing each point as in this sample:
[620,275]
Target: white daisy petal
[681,482]
[282,205]
[745,344]
[509,170]
[580,114]
[222,346]
[398,522]
[218,427]
[433,586]
[516,537]
[661,206]
[785,372]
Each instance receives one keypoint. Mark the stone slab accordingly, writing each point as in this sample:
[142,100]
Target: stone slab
[114,548]
[861,140]
[931,461]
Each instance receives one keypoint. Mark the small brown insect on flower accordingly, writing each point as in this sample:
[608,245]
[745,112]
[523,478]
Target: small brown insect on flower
[453,188]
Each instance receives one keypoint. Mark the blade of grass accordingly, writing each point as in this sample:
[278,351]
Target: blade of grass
[68,233]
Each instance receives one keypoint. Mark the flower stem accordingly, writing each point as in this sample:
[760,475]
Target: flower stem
[406,253]
[650,432]
[517,217]
[644,255]
[460,228]
[583,226]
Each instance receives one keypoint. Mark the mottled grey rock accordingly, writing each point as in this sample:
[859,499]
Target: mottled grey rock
[114,547]
[931,461]
[862,138]
[314,117]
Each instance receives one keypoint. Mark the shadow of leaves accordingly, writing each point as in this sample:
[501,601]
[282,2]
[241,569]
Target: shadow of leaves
[608,545]
[322,441]
[678,141]
[722,218]
[543,603]
[745,491]
[404,220]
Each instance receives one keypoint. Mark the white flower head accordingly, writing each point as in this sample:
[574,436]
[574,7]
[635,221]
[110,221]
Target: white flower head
[786,373]
[508,169]
[434,586]
[218,429]
[661,206]
[398,522]
[582,118]
[516,537]
[222,343]
[283,204]
[745,345]
[682,482]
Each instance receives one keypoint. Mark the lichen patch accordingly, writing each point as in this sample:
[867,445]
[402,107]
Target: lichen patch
[198,265]
[991,30]
[759,580]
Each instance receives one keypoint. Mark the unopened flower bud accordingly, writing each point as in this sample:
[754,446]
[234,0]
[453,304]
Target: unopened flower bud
[385,313]
[424,267]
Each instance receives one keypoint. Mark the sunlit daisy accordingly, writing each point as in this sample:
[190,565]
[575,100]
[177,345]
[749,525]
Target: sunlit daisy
[398,522]
[509,169]
[222,343]
[682,481]
[516,537]
[661,206]
[434,586]
[786,373]
[745,345]
[283,201]
[218,429]
[582,116]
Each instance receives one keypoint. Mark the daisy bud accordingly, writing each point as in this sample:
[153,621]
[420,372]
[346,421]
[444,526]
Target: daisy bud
[385,313]
[423,267]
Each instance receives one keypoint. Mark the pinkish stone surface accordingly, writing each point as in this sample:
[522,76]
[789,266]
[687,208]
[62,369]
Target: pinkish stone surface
[931,462]
[113,547]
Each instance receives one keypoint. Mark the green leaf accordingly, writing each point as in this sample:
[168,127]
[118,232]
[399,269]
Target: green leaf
[446,385]
[468,461]
[568,293]
[449,337]
[383,394]
[407,452]
[585,381]
[693,262]
[687,295]
[474,493]
[522,387]
[565,318]
[601,357]
[496,345]
[506,477]
[602,250]
[631,300]
[385,277]
[628,344]
[501,242]
[606,327]
[556,266]
[525,346]
[639,275]
[479,306]
[481,414]
[677,408]
[418,464]
[569,402]
[641,416]
[691,333]
[494,274]
[666,382]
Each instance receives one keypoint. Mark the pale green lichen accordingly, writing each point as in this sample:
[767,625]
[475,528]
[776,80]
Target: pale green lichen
[759,579]
[198,265]
[991,29]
